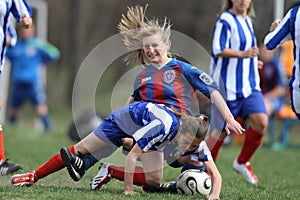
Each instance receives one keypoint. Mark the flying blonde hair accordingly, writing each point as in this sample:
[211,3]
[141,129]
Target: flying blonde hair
[134,26]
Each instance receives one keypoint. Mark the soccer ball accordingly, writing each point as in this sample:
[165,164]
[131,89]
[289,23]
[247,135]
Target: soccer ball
[193,181]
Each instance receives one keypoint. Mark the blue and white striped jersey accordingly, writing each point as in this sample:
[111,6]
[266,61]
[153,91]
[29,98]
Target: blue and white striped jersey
[289,29]
[151,125]
[11,31]
[202,153]
[18,8]
[240,76]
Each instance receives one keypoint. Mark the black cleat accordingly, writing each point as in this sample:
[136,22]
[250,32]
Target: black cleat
[74,164]
[8,168]
[160,188]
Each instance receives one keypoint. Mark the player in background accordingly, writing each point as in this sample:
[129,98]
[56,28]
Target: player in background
[27,58]
[151,125]
[22,13]
[235,64]
[273,81]
[281,31]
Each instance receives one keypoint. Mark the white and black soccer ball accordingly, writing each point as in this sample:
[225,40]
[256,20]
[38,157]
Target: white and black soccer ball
[193,181]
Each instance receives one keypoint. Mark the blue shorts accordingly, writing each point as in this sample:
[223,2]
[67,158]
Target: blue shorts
[109,132]
[22,92]
[252,104]
[243,108]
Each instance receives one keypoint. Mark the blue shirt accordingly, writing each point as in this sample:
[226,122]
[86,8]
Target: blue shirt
[27,56]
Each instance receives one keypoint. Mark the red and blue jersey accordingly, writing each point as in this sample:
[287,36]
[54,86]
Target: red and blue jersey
[271,75]
[173,84]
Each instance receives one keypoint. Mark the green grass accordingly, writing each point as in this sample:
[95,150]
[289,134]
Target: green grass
[278,172]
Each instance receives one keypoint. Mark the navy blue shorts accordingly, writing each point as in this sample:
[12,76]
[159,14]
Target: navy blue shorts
[34,93]
[243,108]
[109,132]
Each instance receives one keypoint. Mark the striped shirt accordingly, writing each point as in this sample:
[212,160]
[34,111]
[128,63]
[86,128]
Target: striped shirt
[202,153]
[152,126]
[289,29]
[174,84]
[18,8]
[240,75]
[11,31]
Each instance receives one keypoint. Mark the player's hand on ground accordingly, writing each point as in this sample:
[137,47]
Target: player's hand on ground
[129,192]
[212,197]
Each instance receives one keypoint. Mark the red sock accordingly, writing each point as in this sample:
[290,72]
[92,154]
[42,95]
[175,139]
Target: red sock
[251,143]
[117,172]
[54,164]
[214,146]
[2,155]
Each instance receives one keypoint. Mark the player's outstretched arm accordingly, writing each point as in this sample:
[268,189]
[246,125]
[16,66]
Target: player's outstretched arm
[130,163]
[216,180]
[231,123]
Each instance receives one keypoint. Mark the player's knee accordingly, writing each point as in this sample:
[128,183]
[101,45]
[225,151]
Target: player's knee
[260,126]
[127,143]
[259,123]
[41,110]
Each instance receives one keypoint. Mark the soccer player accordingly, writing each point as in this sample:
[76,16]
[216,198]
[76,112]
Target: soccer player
[151,49]
[273,81]
[288,29]
[235,65]
[27,58]
[22,13]
[164,79]
[151,125]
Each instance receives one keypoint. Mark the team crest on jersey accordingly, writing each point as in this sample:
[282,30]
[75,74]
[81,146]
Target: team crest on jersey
[205,78]
[169,76]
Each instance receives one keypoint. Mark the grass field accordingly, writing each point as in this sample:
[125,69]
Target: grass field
[278,172]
